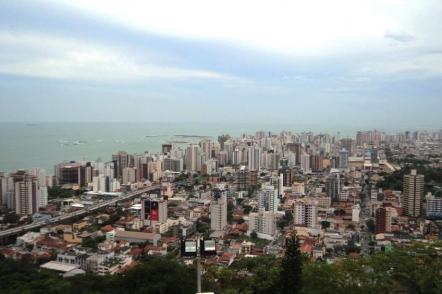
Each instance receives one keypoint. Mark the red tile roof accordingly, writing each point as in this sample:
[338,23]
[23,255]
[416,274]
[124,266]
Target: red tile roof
[107,228]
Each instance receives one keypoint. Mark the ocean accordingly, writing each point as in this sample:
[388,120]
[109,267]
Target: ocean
[42,145]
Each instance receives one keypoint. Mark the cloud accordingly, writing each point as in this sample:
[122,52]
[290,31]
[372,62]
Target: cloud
[417,67]
[190,55]
[399,37]
[286,26]
[41,55]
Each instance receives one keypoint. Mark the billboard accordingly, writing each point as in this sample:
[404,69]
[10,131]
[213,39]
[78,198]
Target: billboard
[154,214]
[151,210]
[208,247]
[189,248]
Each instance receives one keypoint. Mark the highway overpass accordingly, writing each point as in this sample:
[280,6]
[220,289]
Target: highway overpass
[22,229]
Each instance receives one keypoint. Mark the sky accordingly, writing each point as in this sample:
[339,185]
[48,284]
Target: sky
[373,64]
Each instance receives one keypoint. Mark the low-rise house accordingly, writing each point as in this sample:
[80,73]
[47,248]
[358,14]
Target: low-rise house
[137,237]
[30,238]
[318,252]
[73,257]
[80,226]
[67,270]
[246,247]
[114,265]
[51,243]
[156,250]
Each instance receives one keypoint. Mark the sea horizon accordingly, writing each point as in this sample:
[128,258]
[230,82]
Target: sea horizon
[37,144]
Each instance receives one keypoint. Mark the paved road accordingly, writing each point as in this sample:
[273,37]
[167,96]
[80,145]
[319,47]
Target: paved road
[25,228]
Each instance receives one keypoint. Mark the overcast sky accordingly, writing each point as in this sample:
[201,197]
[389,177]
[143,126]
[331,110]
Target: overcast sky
[365,63]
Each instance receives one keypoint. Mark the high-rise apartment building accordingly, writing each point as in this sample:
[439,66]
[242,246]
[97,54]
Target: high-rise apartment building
[173,164]
[193,158]
[305,162]
[102,183]
[433,206]
[26,193]
[212,166]
[154,210]
[222,139]
[316,163]
[368,137]
[306,213]
[355,213]
[245,179]
[268,199]
[384,219]
[254,157]
[122,160]
[262,223]
[228,148]
[347,144]
[40,174]
[381,216]
[296,149]
[270,160]
[286,172]
[73,173]
[3,188]
[218,210]
[7,196]
[223,157]
[413,194]
[333,186]
[206,148]
[388,218]
[236,157]
[343,159]
[129,175]
[166,148]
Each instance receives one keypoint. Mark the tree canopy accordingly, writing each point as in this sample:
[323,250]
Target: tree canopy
[416,269]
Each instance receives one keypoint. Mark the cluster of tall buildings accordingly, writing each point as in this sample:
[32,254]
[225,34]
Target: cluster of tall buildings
[412,203]
[98,176]
[24,191]
[264,151]
[245,157]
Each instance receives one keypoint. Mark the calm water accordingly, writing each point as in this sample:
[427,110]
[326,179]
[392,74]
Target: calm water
[45,144]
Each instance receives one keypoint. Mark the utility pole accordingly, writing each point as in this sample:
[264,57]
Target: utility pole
[196,249]
[198,264]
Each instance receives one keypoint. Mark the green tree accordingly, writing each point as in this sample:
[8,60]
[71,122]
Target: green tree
[325,225]
[93,242]
[59,192]
[288,216]
[11,218]
[247,209]
[282,223]
[350,226]
[291,268]
[254,235]
[230,210]
[371,226]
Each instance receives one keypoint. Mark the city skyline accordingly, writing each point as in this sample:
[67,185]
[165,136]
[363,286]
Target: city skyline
[362,63]
[43,144]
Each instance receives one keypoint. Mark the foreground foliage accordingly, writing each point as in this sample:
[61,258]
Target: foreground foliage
[414,270]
